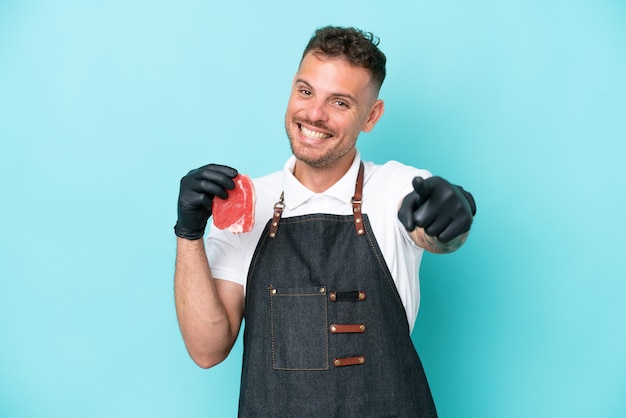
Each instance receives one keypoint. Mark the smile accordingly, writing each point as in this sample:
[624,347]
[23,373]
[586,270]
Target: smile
[313,134]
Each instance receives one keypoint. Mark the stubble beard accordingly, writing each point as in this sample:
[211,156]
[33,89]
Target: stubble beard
[326,160]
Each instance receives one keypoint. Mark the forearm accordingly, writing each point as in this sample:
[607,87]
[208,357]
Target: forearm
[433,245]
[209,326]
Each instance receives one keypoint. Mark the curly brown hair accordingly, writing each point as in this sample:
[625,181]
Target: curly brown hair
[355,46]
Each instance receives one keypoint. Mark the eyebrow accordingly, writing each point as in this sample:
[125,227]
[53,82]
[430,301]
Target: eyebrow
[343,95]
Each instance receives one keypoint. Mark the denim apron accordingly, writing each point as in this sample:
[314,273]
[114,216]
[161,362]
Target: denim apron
[326,334]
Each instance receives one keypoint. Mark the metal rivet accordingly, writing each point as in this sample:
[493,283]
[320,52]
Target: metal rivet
[274,223]
[277,214]
[272,235]
[361,360]
[337,363]
[362,327]
[273,291]
[360,232]
[322,289]
[357,220]
[361,296]
[356,209]
[333,328]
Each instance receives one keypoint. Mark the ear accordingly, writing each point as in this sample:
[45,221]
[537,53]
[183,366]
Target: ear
[376,111]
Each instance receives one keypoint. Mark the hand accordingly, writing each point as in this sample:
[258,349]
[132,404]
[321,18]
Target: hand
[444,210]
[197,190]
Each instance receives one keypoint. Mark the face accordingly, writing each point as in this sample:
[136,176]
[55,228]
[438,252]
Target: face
[331,102]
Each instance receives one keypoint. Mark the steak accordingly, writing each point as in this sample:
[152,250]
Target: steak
[237,211]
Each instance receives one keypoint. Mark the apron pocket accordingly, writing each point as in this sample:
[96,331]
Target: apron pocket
[299,328]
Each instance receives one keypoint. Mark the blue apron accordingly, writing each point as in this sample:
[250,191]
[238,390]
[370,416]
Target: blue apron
[326,333]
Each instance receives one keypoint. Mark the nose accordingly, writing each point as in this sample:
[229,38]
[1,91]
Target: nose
[316,111]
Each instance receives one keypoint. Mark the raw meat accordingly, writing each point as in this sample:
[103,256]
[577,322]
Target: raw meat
[237,211]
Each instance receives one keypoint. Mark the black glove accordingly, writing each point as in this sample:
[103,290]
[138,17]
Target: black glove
[444,210]
[197,190]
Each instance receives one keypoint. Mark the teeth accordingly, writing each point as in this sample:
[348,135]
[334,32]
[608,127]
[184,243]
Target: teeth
[312,134]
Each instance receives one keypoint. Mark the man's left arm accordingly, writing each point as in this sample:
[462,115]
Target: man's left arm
[437,214]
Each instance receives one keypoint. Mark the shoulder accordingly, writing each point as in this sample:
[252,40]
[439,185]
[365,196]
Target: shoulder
[392,167]
[268,185]
[392,177]
[267,190]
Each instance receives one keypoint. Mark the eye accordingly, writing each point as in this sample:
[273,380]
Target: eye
[341,103]
[305,92]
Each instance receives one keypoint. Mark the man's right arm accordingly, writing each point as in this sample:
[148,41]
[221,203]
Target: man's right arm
[209,310]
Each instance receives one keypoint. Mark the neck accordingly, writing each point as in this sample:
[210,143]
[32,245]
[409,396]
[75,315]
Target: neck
[319,180]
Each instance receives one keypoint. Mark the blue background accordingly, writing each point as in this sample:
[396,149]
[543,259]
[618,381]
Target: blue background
[105,105]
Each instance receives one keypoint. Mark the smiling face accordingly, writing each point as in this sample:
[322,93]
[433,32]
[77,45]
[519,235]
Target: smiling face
[331,102]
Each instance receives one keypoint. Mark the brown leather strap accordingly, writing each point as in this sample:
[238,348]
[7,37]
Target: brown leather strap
[278,212]
[347,328]
[349,361]
[356,202]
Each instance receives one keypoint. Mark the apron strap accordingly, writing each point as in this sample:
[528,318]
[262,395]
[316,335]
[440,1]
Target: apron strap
[356,202]
[278,212]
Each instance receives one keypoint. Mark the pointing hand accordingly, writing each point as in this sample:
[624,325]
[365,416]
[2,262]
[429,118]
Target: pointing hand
[444,210]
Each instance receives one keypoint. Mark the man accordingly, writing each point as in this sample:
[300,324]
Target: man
[327,279]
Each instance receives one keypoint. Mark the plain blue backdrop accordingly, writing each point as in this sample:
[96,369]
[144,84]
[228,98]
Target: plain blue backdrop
[104,105]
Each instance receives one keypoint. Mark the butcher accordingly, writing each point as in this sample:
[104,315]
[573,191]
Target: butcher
[320,258]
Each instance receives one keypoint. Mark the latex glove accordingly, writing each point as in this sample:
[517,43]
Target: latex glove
[195,200]
[444,210]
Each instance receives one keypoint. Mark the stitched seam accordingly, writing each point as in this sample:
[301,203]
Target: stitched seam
[383,266]
[272,325]
[272,296]
[294,220]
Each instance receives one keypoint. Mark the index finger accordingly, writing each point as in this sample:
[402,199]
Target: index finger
[219,175]
[422,187]
[223,169]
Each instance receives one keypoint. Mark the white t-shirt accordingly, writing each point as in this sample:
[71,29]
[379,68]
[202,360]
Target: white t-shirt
[384,187]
